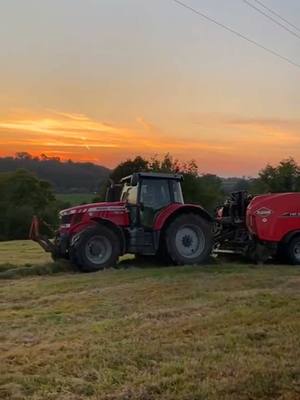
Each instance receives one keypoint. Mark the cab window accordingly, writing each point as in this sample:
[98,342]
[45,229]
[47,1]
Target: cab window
[177,192]
[155,193]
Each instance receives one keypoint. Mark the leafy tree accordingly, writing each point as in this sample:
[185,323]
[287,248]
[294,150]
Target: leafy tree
[167,164]
[22,195]
[210,191]
[125,168]
[205,189]
[66,177]
[128,167]
[285,177]
[23,155]
[200,189]
[22,188]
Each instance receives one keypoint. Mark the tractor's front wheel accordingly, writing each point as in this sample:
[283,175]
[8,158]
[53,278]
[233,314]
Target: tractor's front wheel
[97,248]
[189,240]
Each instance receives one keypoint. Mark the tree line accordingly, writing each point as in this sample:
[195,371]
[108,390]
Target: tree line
[65,177]
[23,194]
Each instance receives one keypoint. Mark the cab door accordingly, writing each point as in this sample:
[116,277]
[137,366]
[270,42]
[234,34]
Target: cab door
[153,197]
[130,196]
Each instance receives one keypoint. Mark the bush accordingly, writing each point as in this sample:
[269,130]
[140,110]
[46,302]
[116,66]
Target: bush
[22,195]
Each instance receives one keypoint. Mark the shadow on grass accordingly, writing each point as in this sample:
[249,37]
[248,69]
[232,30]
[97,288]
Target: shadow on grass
[214,266]
[10,271]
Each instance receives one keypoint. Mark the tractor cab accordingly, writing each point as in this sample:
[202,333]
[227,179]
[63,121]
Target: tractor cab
[146,194]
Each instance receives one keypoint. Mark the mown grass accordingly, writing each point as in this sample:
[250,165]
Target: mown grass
[22,258]
[224,331]
[22,252]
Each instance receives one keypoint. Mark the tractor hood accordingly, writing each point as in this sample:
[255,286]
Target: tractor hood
[94,207]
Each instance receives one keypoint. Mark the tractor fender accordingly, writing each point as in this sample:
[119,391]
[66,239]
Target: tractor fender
[101,221]
[174,210]
[115,228]
[290,235]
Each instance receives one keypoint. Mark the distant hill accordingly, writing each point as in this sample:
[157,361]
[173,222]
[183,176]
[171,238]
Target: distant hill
[65,177]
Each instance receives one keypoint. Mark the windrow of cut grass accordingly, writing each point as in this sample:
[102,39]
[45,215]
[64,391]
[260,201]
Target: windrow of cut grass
[23,258]
[9,271]
[22,252]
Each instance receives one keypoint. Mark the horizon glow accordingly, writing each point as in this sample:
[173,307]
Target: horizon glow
[108,80]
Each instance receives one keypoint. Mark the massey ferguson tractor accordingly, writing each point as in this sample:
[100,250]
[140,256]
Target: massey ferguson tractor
[145,215]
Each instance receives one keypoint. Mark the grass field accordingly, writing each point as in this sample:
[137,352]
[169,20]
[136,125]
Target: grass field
[212,332]
[22,253]
[76,198]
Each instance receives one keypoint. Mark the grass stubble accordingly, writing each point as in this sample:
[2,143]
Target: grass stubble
[223,331]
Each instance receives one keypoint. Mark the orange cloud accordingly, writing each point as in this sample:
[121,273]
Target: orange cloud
[76,133]
[220,144]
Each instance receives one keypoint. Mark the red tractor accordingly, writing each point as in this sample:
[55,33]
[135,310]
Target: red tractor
[145,215]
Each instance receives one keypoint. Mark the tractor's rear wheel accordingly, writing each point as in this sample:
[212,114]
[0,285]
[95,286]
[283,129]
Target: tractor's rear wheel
[97,248]
[189,240]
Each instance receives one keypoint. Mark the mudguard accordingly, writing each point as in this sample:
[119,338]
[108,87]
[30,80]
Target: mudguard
[176,209]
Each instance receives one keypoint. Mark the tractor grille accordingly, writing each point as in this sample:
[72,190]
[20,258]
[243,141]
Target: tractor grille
[65,219]
[77,218]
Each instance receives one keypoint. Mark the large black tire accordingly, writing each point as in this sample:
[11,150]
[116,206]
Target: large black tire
[97,248]
[60,251]
[189,240]
[293,251]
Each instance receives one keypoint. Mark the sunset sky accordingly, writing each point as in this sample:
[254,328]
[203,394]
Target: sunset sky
[104,80]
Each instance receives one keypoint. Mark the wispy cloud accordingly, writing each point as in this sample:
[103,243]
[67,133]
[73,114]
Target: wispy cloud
[223,144]
[59,130]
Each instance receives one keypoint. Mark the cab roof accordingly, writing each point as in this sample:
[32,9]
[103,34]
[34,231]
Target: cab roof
[152,175]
